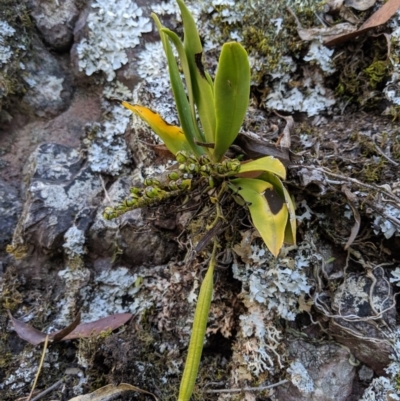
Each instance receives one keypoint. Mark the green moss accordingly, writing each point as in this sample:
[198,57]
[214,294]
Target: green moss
[16,14]
[372,171]
[362,72]
[396,148]
[376,72]
[10,297]
[5,354]
[394,112]
[397,382]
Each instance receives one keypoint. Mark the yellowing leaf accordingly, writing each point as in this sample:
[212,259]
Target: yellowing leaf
[110,392]
[291,226]
[267,209]
[171,135]
[290,236]
[269,164]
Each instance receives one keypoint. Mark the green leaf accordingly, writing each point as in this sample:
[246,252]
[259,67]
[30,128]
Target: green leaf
[182,104]
[269,164]
[198,333]
[210,80]
[202,90]
[172,136]
[267,209]
[186,71]
[231,92]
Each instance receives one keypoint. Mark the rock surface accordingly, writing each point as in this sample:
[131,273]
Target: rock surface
[61,192]
[49,87]
[320,372]
[10,210]
[55,20]
[270,319]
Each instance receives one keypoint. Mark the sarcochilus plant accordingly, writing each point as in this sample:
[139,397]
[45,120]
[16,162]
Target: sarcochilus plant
[220,106]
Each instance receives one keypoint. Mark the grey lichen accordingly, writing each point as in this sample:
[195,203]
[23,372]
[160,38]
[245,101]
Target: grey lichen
[107,149]
[300,377]
[113,27]
[6,31]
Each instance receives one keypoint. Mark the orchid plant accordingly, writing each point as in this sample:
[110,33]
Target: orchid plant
[211,113]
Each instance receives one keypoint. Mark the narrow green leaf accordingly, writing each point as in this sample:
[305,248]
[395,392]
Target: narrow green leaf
[231,93]
[210,80]
[198,333]
[182,104]
[202,90]
[186,71]
[268,210]
[269,164]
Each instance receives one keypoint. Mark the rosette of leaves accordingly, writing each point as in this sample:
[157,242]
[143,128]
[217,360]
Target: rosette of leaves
[211,112]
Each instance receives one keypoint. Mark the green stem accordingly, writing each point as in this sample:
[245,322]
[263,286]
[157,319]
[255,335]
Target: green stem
[198,331]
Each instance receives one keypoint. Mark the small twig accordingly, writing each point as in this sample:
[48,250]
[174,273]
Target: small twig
[284,140]
[205,240]
[48,390]
[104,189]
[239,390]
[356,227]
[349,179]
[39,368]
[382,153]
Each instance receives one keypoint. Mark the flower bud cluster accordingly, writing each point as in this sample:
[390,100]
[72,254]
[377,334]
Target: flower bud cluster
[180,180]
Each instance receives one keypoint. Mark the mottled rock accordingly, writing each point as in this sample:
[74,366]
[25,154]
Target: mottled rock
[61,192]
[321,372]
[10,209]
[49,89]
[131,236]
[55,21]
[367,307]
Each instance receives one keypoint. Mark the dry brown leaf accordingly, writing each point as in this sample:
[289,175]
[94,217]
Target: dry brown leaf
[59,335]
[326,32]
[310,34]
[378,18]
[256,148]
[27,332]
[111,322]
[108,393]
[360,5]
[36,337]
[72,331]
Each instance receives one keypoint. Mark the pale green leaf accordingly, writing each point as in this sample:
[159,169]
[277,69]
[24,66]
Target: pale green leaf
[231,94]
[268,163]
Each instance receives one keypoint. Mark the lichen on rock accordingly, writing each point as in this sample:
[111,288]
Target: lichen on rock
[112,29]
